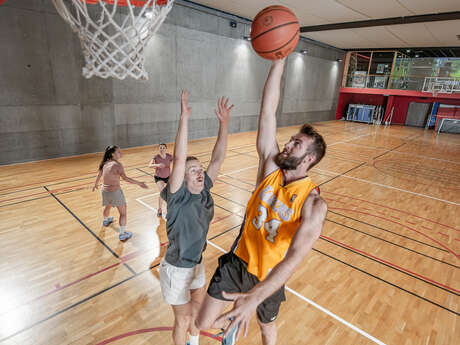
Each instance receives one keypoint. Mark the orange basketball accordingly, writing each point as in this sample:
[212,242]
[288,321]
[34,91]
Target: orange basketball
[275,32]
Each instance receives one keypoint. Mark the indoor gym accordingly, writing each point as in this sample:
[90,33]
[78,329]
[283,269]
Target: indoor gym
[380,80]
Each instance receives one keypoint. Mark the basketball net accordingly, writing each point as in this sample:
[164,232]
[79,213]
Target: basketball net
[114,33]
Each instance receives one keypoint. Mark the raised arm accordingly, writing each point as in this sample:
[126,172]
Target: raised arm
[96,183]
[218,153]
[180,148]
[313,215]
[267,147]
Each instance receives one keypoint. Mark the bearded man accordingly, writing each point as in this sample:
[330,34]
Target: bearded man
[284,218]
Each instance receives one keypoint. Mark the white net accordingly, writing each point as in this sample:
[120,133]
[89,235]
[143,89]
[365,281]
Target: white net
[114,33]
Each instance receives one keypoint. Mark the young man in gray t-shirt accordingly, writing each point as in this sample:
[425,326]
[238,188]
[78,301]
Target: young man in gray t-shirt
[190,211]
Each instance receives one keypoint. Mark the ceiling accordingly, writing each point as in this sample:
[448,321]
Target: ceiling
[320,12]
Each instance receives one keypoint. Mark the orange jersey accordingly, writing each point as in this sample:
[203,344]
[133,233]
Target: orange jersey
[272,217]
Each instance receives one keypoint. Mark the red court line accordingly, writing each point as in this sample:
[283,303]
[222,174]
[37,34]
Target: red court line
[443,234]
[457,239]
[222,218]
[395,217]
[424,227]
[392,264]
[149,330]
[412,223]
[405,226]
[123,259]
[394,209]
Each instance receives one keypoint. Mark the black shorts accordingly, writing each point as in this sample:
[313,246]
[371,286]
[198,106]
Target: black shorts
[164,179]
[232,276]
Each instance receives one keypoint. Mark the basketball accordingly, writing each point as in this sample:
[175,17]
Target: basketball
[275,32]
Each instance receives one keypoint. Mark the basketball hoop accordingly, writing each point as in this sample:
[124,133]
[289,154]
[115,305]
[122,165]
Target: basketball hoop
[114,33]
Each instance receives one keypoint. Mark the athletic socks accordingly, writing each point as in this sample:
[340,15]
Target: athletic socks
[194,339]
[122,228]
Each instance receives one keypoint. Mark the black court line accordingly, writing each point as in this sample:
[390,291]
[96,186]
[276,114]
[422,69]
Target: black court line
[394,148]
[389,231]
[356,167]
[392,243]
[389,266]
[224,232]
[387,282]
[223,197]
[20,202]
[223,208]
[75,304]
[48,196]
[89,230]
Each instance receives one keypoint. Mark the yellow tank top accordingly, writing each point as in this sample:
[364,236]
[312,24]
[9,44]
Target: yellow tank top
[272,217]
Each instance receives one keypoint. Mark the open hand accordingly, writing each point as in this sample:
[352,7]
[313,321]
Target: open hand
[223,112]
[185,109]
[244,307]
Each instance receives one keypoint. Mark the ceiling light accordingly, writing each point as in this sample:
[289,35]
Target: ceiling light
[247,38]
[416,55]
[304,52]
[339,60]
[407,50]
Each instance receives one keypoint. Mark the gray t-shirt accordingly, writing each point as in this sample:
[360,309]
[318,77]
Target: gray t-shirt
[187,223]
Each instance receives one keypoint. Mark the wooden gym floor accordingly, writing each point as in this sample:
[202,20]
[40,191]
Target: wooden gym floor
[385,270]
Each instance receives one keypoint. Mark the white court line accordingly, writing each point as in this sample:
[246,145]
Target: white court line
[390,187]
[239,170]
[405,153]
[351,139]
[324,310]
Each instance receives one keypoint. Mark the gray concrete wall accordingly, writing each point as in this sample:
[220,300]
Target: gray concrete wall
[47,109]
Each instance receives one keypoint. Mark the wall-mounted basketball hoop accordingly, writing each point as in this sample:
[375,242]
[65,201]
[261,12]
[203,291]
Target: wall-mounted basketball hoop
[114,33]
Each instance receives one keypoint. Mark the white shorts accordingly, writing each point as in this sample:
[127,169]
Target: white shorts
[176,282]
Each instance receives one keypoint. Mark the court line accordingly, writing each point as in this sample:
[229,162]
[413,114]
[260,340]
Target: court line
[388,151]
[72,306]
[394,266]
[324,310]
[386,230]
[89,230]
[150,330]
[408,154]
[393,209]
[391,187]
[342,174]
[403,225]
[392,243]
[387,282]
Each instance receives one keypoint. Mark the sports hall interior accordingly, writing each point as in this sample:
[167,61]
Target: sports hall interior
[380,80]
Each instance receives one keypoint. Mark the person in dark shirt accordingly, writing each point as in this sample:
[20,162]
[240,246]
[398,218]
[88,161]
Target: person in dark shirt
[190,211]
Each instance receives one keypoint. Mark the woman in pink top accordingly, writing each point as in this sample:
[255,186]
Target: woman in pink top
[161,162]
[110,169]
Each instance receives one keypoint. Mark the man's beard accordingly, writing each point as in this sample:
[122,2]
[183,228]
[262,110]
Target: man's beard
[289,162]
